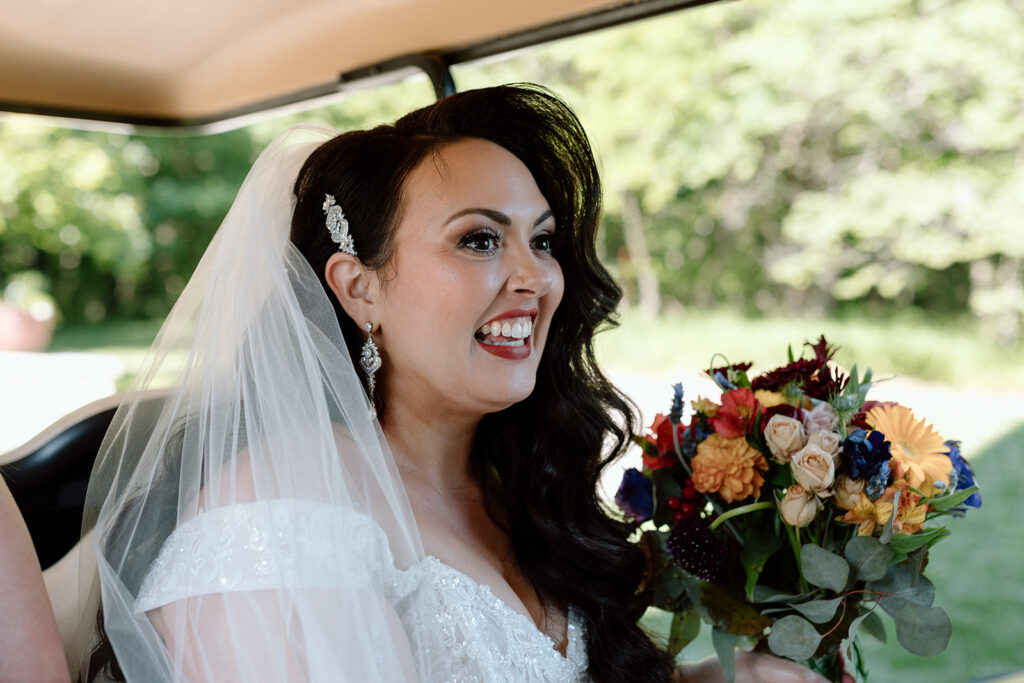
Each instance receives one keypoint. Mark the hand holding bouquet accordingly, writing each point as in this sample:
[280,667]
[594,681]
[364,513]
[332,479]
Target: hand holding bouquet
[793,511]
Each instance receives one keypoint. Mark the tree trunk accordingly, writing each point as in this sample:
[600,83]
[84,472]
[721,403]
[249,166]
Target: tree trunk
[648,294]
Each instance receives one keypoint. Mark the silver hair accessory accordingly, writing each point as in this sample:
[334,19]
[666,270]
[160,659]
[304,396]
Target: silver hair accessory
[338,226]
[369,358]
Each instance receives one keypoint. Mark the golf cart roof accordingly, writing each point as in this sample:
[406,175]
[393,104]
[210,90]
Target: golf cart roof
[205,66]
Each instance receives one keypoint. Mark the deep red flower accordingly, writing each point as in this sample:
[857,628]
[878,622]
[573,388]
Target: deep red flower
[661,438]
[737,367]
[800,370]
[739,407]
[783,409]
[825,384]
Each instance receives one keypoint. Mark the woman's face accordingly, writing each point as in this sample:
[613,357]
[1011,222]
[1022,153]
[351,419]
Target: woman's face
[470,292]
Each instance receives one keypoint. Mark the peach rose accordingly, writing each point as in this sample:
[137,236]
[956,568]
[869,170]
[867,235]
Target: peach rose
[827,441]
[785,436]
[813,468]
[820,418]
[728,467]
[798,507]
[847,491]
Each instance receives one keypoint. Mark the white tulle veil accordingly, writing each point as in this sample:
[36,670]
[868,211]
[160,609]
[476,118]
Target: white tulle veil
[248,400]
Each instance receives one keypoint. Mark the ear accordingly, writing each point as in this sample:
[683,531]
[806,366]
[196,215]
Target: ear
[354,286]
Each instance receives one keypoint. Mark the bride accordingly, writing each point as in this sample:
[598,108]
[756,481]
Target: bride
[376,447]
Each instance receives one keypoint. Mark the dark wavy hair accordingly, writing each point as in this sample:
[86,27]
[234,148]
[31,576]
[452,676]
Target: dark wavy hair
[538,460]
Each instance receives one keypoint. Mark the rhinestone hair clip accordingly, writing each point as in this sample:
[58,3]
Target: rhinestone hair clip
[338,226]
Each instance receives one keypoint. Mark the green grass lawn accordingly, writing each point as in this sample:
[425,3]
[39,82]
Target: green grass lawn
[939,351]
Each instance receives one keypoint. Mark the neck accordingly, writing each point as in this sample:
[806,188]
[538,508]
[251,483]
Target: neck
[431,447]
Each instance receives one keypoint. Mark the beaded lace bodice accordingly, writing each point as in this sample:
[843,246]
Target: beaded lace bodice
[472,637]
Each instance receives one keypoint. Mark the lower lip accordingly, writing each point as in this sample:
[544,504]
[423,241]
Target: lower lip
[508,352]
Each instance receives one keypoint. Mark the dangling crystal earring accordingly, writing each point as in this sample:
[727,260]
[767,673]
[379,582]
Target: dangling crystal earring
[369,359]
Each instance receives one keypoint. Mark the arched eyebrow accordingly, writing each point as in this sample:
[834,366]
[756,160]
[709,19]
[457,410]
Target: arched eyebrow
[496,216]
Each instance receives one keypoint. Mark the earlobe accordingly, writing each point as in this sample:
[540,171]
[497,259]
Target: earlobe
[349,280]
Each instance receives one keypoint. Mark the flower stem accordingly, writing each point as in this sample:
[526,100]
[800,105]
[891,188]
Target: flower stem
[742,510]
[794,541]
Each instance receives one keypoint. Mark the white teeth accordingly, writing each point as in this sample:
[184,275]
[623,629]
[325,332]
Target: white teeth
[513,328]
[514,342]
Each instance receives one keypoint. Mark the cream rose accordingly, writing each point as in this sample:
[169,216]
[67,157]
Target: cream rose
[847,491]
[785,436]
[820,418]
[798,507]
[827,441]
[813,468]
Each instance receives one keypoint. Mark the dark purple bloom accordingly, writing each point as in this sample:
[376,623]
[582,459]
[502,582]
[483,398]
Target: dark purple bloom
[964,474]
[695,549]
[864,454]
[635,496]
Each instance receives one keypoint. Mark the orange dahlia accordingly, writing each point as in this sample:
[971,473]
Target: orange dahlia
[728,467]
[915,446]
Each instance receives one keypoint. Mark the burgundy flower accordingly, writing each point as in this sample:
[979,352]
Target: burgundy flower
[694,548]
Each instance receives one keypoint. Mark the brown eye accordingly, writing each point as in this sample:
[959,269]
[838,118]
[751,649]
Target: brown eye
[544,242]
[481,241]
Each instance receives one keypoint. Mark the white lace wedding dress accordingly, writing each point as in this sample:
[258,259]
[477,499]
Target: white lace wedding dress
[474,636]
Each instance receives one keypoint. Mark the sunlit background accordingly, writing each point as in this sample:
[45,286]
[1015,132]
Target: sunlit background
[772,170]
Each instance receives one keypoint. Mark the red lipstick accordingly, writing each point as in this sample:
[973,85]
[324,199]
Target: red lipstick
[511,352]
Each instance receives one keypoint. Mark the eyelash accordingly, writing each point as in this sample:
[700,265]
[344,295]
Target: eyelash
[478,235]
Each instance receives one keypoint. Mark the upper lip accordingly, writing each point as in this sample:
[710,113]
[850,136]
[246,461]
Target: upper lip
[515,313]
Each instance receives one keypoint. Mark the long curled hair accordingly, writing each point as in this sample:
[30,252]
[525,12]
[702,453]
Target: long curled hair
[539,460]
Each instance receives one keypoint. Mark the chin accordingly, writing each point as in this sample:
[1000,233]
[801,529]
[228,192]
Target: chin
[509,398]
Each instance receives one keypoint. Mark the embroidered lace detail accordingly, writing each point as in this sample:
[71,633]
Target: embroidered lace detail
[473,636]
[478,637]
[264,545]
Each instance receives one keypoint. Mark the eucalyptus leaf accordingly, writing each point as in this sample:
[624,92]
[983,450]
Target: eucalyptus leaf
[868,557]
[922,631]
[685,627]
[899,583]
[872,625]
[768,594]
[818,611]
[793,637]
[725,648]
[915,564]
[822,568]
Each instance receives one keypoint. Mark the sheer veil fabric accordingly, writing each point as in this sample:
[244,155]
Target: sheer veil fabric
[263,441]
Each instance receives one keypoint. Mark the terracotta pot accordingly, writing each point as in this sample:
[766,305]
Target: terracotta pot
[19,331]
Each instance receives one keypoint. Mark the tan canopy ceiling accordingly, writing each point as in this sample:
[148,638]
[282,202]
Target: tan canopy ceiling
[193,62]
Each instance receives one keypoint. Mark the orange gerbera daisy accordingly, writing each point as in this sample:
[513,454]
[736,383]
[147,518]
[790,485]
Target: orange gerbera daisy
[915,445]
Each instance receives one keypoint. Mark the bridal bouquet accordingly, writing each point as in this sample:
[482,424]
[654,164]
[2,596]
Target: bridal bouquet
[792,511]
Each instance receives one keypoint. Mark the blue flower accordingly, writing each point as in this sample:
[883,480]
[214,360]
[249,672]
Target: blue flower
[878,482]
[964,474]
[864,454]
[635,496]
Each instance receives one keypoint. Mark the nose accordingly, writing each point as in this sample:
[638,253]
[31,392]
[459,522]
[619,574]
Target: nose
[531,274]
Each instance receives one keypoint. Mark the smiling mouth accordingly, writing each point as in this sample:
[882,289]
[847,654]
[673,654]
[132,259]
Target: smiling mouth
[506,332]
